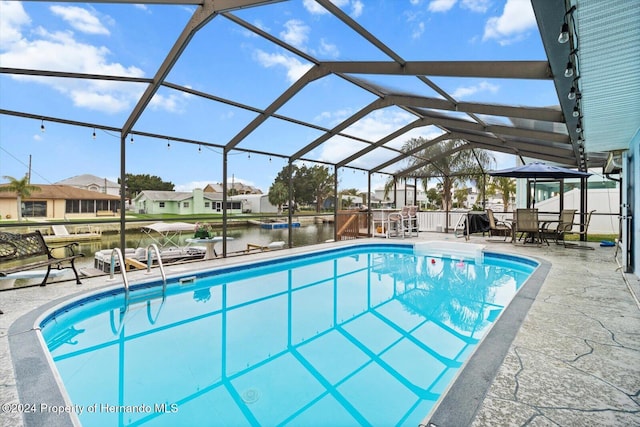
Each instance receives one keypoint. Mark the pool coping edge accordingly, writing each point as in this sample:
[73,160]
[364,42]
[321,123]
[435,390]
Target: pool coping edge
[464,397]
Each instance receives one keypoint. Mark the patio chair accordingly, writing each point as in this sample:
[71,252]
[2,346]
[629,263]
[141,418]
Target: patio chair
[395,223]
[579,233]
[527,224]
[410,219]
[497,227]
[555,229]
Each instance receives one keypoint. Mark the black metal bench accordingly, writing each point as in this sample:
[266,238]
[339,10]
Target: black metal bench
[28,251]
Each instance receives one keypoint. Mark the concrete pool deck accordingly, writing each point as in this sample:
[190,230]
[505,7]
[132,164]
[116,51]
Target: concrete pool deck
[575,359]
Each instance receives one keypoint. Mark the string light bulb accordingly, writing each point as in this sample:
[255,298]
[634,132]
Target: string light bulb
[199,148]
[131,140]
[168,145]
[576,111]
[572,93]
[93,135]
[564,34]
[568,72]
[563,37]
[42,126]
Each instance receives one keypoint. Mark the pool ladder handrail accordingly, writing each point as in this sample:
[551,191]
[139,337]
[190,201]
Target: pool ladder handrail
[117,252]
[154,247]
[112,269]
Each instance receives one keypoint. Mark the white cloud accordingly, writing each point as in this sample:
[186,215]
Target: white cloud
[295,69]
[480,6]
[441,5]
[190,186]
[357,6]
[260,24]
[80,19]
[517,18]
[12,19]
[465,91]
[60,51]
[374,127]
[296,33]
[93,100]
[228,115]
[328,50]
[314,8]
[418,30]
[333,118]
[173,103]
[377,157]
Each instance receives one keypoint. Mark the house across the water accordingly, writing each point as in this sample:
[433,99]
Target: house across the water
[59,202]
[183,202]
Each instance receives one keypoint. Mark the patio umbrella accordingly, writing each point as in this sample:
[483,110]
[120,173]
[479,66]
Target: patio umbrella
[537,170]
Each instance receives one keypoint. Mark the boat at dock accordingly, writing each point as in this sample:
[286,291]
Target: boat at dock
[62,235]
[275,224]
[166,236]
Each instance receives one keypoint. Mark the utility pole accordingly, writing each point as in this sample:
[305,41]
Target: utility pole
[29,171]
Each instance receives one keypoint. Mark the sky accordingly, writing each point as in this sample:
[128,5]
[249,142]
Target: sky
[230,62]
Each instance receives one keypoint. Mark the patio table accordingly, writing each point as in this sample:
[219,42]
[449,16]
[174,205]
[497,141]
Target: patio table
[209,245]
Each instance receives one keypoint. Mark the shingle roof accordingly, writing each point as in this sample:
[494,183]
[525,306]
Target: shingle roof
[86,179]
[160,195]
[57,192]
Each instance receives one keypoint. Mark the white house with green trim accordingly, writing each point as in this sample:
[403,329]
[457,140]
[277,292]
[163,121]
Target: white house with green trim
[183,202]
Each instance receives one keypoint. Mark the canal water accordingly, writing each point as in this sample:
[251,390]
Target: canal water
[242,236]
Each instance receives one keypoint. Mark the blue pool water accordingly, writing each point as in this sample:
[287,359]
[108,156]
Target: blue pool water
[364,335]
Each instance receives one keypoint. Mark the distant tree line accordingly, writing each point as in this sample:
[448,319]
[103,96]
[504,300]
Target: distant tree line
[310,185]
[137,183]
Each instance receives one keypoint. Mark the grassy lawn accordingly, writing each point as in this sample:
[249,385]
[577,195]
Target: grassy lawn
[593,237]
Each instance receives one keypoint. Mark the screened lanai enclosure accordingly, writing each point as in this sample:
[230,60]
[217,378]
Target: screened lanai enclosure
[213,87]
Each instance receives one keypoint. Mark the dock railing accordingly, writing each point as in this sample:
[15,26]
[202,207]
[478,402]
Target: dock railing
[351,224]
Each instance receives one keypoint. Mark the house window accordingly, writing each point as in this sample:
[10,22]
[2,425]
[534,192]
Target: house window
[185,204]
[87,206]
[207,204]
[81,206]
[161,204]
[72,206]
[103,205]
[33,209]
[234,205]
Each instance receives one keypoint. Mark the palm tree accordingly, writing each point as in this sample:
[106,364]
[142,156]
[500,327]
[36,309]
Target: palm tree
[461,195]
[389,186]
[503,185]
[22,188]
[448,161]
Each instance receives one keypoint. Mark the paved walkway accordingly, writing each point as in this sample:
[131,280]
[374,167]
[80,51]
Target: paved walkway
[575,360]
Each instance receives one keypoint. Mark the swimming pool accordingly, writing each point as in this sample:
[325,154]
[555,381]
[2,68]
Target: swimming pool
[371,335]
